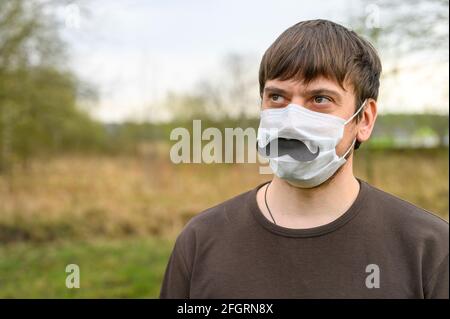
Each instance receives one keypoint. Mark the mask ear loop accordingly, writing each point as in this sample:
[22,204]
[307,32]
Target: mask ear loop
[354,140]
[349,149]
[356,113]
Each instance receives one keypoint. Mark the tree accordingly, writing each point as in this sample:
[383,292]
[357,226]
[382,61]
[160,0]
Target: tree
[400,28]
[38,93]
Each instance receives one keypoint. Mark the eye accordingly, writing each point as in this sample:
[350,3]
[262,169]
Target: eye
[320,99]
[276,98]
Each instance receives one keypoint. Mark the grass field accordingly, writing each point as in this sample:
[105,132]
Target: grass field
[117,217]
[131,268]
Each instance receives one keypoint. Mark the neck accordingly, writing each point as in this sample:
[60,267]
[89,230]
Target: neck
[294,207]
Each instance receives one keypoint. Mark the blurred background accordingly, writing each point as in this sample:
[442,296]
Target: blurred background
[90,91]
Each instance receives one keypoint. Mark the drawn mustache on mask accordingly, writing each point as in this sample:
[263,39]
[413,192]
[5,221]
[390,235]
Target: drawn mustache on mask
[294,148]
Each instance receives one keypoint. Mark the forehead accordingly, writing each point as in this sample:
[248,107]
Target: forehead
[319,83]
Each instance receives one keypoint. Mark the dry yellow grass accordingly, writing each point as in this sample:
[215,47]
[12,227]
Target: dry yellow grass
[91,196]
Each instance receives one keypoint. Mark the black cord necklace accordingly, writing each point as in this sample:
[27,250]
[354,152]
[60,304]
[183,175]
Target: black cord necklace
[267,206]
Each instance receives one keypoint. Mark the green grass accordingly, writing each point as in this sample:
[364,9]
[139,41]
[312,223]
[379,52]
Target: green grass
[131,268]
[72,210]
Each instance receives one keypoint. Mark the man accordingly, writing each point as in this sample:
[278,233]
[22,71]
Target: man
[314,231]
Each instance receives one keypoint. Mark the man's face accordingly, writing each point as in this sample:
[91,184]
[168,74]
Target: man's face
[320,95]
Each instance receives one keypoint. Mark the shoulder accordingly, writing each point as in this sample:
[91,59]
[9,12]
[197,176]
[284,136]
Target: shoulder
[408,220]
[214,220]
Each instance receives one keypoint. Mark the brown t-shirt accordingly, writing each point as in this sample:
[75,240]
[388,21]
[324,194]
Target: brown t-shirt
[382,247]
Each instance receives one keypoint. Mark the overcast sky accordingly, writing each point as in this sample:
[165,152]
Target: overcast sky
[135,51]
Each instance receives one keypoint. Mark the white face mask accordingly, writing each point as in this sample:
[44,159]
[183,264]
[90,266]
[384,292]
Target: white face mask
[301,144]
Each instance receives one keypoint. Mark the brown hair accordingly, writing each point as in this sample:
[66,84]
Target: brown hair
[315,48]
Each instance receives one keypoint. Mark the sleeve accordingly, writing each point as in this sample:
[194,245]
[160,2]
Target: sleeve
[176,281]
[438,285]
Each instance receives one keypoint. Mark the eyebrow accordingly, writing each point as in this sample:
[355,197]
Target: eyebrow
[319,91]
[275,90]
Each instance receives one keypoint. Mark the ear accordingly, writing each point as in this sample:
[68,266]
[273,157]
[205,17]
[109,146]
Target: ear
[367,122]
